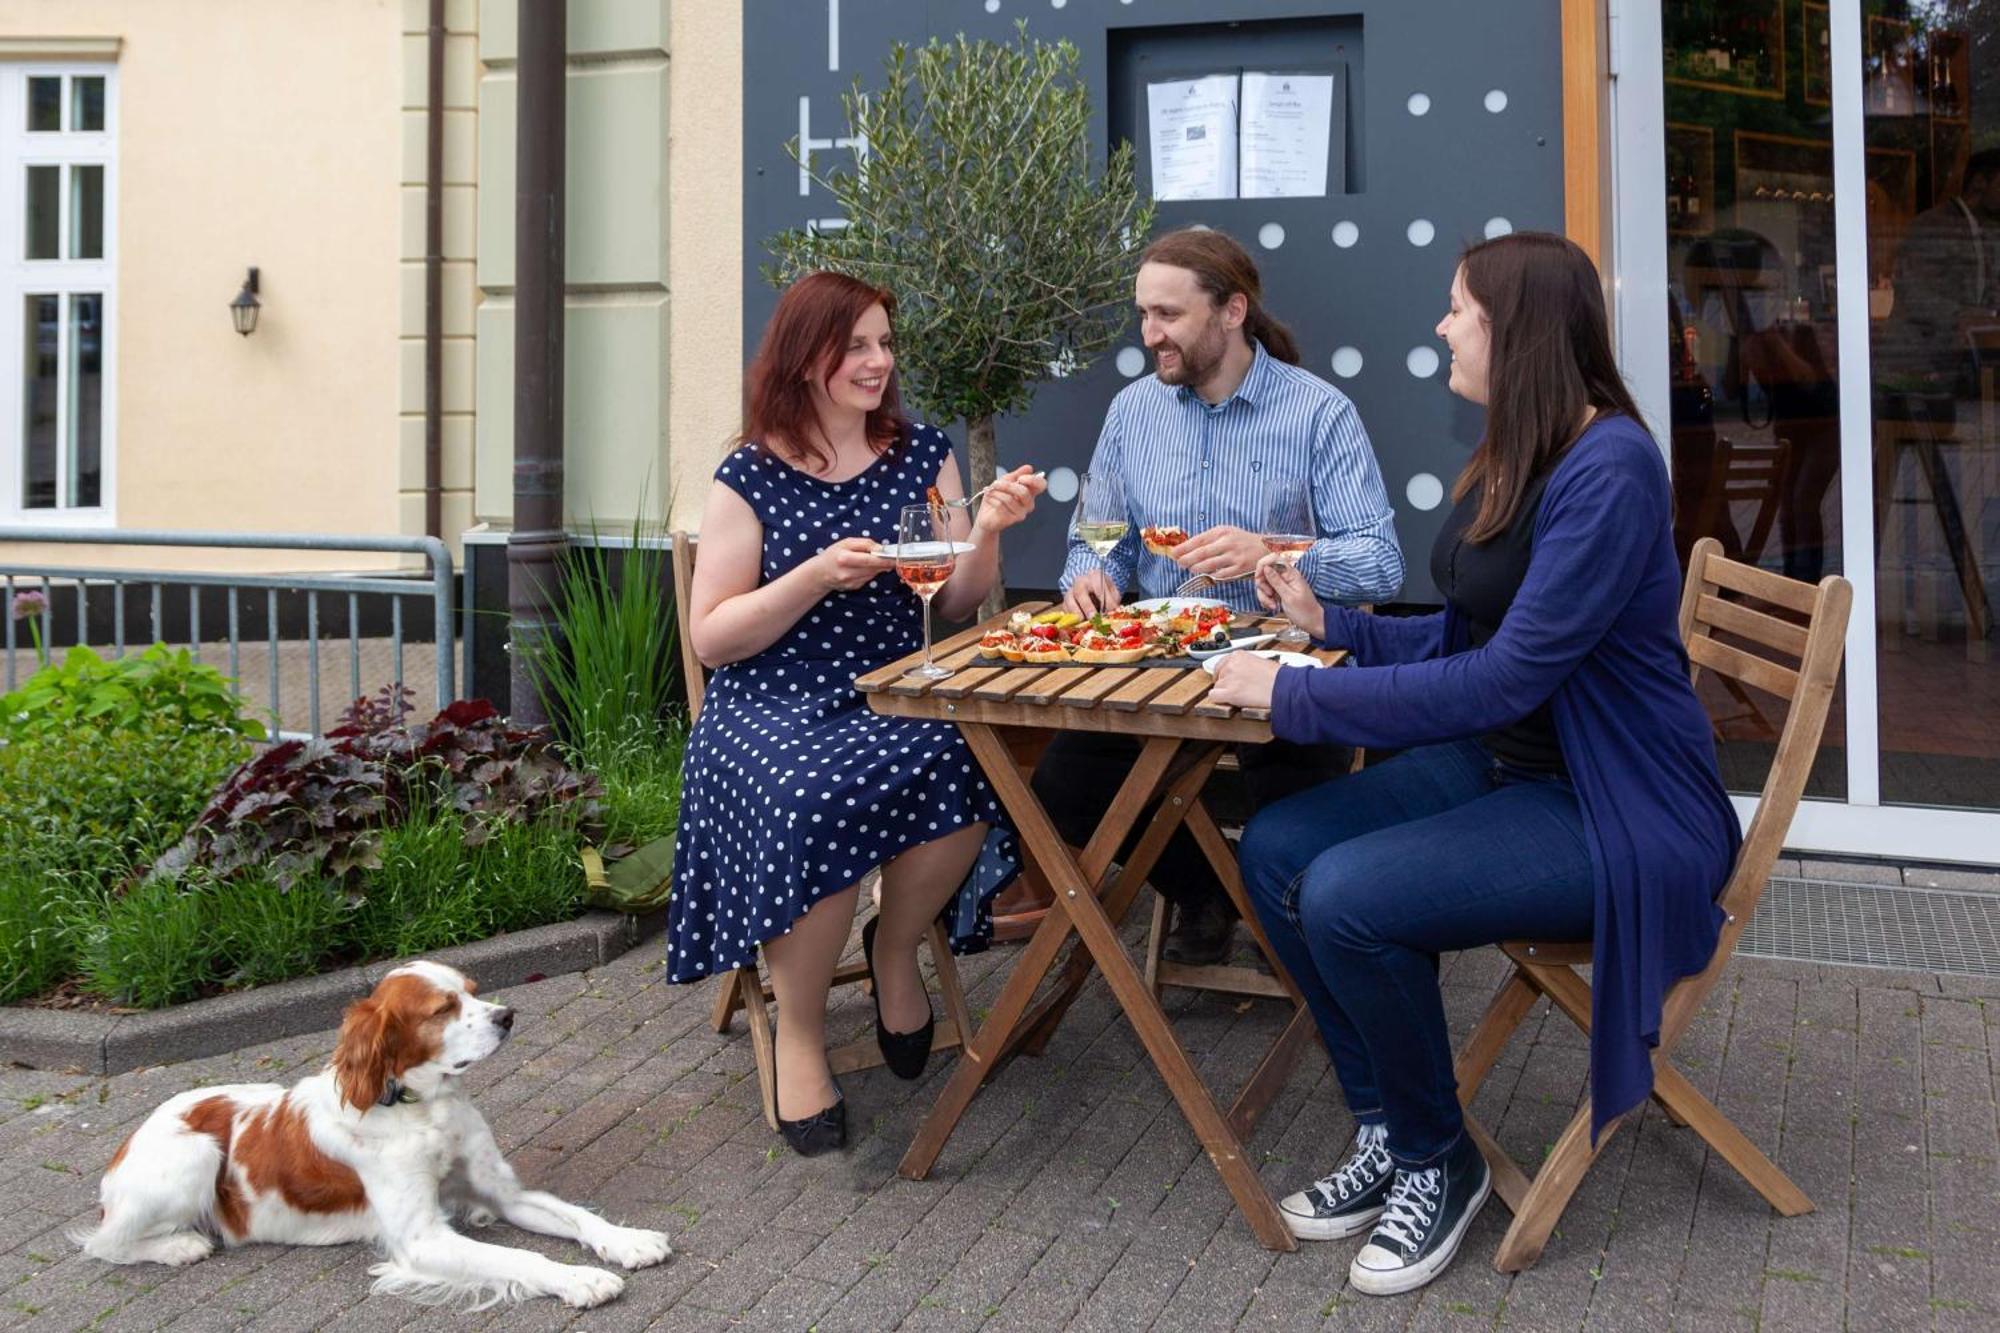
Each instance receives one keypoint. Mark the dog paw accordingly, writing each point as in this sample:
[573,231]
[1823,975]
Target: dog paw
[581,1288]
[629,1247]
[480,1217]
[179,1251]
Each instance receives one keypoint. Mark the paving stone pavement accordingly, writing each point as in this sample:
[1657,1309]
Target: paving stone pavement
[1074,1196]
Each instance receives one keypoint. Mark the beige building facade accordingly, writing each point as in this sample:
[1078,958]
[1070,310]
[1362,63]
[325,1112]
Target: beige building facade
[289,135]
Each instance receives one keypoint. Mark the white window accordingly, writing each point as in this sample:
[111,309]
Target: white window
[58,203]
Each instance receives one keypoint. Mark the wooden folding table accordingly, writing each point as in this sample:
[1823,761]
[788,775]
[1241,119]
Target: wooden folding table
[1184,734]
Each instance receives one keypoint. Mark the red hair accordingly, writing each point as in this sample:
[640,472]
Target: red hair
[802,345]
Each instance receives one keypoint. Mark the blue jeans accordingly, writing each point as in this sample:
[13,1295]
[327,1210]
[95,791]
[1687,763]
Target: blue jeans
[1363,881]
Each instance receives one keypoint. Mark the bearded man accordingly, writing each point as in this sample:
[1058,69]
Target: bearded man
[1228,422]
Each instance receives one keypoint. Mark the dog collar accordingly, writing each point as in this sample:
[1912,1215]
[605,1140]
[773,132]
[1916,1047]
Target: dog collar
[394,1093]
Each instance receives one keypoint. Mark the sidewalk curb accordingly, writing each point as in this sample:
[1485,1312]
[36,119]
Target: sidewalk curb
[95,1043]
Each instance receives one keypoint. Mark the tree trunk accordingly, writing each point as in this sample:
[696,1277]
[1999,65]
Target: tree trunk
[983,460]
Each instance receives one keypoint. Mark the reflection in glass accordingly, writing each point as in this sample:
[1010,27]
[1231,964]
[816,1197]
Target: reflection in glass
[84,351]
[1753,337]
[38,416]
[44,213]
[1934,332]
[45,103]
[86,212]
[86,102]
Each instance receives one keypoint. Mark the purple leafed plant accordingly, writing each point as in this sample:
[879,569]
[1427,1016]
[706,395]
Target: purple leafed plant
[315,808]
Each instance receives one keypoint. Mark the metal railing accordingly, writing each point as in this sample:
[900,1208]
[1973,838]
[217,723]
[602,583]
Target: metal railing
[54,580]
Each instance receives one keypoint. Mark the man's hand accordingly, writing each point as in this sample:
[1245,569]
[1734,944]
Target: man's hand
[1091,593]
[1222,552]
[1244,680]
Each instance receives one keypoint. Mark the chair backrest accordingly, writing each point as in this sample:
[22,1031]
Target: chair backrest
[1812,634]
[692,671]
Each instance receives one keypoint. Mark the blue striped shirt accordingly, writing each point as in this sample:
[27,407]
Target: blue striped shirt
[1189,464]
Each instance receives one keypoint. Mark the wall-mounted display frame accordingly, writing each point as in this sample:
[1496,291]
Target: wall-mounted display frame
[1690,179]
[1948,74]
[1889,69]
[1777,168]
[1816,55]
[1741,52]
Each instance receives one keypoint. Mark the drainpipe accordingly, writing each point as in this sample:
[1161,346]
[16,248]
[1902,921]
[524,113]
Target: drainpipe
[537,541]
[434,279]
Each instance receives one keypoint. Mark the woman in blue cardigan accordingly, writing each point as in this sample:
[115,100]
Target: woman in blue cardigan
[1558,779]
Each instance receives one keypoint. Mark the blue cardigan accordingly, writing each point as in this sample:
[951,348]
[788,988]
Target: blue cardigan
[1595,630]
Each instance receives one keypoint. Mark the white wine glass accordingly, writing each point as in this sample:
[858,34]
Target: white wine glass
[1288,534]
[925,559]
[1100,520]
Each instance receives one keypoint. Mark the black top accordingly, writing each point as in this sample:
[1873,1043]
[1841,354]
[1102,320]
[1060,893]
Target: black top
[1480,580]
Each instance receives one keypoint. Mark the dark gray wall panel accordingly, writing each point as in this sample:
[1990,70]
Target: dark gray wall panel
[1456,167]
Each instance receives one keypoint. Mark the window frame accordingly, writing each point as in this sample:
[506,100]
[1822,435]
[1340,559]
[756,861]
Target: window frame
[66,278]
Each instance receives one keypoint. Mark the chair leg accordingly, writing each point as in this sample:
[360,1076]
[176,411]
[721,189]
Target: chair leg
[953,993]
[1156,943]
[1542,1207]
[728,999]
[763,1039]
[1510,1004]
[1679,1095]
[1674,1118]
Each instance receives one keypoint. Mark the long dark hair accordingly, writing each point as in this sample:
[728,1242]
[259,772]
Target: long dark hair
[1548,358]
[808,331]
[1222,268]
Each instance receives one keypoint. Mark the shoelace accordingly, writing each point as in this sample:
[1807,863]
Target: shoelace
[1412,1206]
[1354,1175]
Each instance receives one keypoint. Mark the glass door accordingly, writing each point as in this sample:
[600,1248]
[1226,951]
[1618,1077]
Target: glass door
[1808,276]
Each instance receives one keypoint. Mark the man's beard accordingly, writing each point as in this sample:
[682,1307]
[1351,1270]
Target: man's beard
[1196,363]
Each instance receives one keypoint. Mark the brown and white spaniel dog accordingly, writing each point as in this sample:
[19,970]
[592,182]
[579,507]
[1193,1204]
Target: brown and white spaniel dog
[378,1146]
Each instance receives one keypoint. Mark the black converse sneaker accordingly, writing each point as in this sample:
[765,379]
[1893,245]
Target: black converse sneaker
[1422,1223]
[1347,1202]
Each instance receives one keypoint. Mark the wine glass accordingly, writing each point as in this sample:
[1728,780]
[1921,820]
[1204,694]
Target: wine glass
[1100,520]
[925,559]
[1288,534]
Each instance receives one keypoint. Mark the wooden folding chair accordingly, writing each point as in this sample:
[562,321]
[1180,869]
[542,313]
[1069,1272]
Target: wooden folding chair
[743,988]
[1542,968]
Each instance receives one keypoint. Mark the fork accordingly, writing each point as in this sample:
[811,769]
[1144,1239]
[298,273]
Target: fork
[1199,583]
[965,502]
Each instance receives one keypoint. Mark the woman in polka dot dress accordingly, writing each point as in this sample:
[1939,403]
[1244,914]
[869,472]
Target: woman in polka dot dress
[794,788]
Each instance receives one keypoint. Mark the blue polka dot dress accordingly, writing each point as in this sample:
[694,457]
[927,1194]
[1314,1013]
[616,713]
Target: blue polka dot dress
[793,787]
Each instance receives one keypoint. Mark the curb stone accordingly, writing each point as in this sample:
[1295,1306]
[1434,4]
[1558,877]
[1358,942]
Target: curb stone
[96,1043]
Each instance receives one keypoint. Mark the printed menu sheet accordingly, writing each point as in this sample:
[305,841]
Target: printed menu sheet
[1193,131]
[1286,122]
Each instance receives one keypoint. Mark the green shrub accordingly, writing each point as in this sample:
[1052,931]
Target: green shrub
[267,933]
[153,947]
[161,685]
[641,777]
[38,921]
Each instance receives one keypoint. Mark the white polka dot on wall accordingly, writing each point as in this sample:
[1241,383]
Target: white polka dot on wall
[1496,100]
[1057,4]
[1422,361]
[1347,362]
[1419,104]
[1345,234]
[1062,484]
[1425,491]
[1497,227]
[1270,235]
[993,6]
[1131,362]
[1421,232]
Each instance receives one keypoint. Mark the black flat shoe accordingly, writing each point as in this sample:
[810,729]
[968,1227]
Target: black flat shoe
[821,1132]
[906,1053]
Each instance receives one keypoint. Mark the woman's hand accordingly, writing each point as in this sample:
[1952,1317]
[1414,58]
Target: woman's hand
[1008,500]
[847,564]
[1280,587]
[1244,680]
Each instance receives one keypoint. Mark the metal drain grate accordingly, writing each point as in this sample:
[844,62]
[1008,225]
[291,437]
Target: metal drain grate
[1876,925]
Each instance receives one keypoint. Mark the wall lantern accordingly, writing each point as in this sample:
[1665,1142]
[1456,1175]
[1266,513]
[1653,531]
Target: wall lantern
[243,310]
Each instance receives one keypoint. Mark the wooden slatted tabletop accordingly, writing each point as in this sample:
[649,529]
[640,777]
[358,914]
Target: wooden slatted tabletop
[1137,701]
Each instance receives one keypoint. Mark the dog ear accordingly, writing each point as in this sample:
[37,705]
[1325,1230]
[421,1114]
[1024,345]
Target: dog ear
[361,1054]
[471,986]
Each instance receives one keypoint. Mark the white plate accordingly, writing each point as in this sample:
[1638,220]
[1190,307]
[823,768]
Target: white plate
[1155,603]
[1272,654]
[889,550]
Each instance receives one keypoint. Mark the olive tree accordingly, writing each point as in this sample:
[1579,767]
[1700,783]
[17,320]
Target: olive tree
[977,200]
